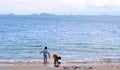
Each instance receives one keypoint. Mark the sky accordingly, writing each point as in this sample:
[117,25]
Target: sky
[61,7]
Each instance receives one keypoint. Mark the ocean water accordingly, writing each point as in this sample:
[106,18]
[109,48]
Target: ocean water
[72,37]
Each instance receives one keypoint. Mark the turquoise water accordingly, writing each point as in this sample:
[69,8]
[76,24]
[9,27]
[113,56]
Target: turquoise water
[72,37]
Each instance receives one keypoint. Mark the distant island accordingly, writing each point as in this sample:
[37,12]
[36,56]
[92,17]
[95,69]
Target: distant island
[46,14]
[34,14]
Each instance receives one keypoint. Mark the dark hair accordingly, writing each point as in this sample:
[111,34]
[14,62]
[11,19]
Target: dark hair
[59,57]
[45,47]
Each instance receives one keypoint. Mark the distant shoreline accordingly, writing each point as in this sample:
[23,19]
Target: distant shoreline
[49,14]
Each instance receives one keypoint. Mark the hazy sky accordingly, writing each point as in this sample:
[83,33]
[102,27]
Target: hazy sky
[61,7]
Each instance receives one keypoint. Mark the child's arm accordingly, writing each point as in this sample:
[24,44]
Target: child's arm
[41,52]
[48,52]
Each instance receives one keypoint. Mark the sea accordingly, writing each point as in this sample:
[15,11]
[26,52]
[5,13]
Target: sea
[73,37]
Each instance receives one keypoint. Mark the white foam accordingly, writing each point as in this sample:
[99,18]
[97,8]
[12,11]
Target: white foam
[21,61]
[63,61]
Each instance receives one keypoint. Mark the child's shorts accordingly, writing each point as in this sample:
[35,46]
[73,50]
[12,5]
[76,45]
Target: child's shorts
[45,56]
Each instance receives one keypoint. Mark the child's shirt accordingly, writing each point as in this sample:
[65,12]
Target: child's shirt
[45,52]
[55,56]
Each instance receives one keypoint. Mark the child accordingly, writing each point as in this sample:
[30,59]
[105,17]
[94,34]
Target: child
[56,58]
[45,52]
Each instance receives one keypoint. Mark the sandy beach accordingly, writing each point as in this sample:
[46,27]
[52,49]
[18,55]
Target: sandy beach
[25,67]
[104,65]
[37,67]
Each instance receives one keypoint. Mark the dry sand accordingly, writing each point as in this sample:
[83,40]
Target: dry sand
[95,67]
[26,67]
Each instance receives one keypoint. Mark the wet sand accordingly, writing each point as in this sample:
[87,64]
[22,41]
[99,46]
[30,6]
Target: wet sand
[95,67]
[87,65]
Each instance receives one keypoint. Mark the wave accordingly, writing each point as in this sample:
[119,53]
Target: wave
[21,61]
[78,44]
[34,45]
[67,61]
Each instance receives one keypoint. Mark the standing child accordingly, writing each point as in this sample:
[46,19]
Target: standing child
[45,52]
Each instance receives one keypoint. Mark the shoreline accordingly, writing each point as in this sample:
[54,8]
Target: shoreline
[66,65]
[63,61]
[74,66]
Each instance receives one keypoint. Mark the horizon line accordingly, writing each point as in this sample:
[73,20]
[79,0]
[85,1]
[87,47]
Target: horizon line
[51,14]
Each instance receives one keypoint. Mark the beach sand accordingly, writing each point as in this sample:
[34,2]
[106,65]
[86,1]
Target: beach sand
[25,67]
[36,67]
[95,67]
[63,66]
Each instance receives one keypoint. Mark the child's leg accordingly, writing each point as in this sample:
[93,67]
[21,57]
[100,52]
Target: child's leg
[45,58]
[54,61]
[56,64]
